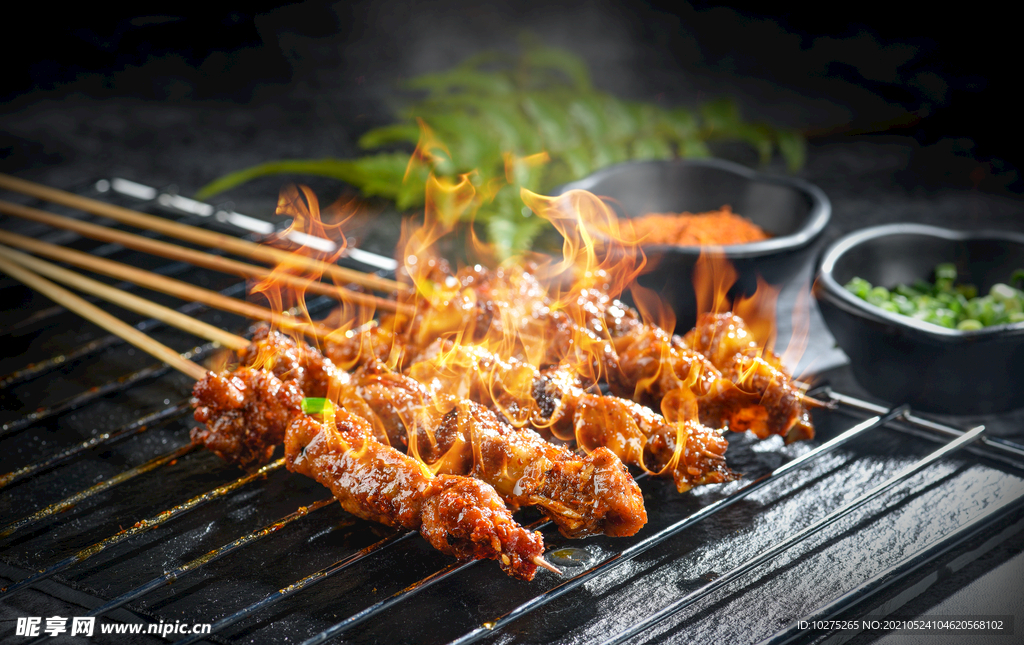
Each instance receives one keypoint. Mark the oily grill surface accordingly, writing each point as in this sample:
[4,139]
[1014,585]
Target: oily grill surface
[968,495]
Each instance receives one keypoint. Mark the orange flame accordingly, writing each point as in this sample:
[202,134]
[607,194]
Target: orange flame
[714,277]
[301,204]
[467,317]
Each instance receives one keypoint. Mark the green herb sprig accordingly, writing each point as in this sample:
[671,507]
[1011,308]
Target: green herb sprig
[542,100]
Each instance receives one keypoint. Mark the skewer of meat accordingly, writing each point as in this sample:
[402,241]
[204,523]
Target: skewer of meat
[555,401]
[607,340]
[460,516]
[457,515]
[570,500]
[588,495]
[504,298]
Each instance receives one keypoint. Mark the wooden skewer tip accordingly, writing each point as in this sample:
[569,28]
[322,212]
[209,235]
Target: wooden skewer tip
[541,562]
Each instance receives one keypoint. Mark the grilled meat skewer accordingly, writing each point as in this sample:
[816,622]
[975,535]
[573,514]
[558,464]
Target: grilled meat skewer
[459,516]
[247,410]
[740,385]
[606,340]
[588,495]
[557,402]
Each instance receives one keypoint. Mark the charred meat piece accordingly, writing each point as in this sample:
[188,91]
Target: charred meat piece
[291,361]
[779,407]
[554,401]
[459,516]
[506,305]
[650,363]
[688,451]
[393,402]
[355,348]
[584,496]
[245,414]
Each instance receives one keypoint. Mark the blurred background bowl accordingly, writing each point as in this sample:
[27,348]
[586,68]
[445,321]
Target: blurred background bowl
[898,358]
[792,211]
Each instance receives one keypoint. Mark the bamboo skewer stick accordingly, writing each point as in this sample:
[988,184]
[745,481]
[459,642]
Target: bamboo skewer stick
[127,300]
[166,285]
[192,256]
[103,319]
[197,235]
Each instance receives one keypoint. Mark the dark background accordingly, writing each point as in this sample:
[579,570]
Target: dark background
[318,74]
[910,116]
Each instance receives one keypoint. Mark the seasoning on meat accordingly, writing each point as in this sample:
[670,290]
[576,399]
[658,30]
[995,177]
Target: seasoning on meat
[582,495]
[244,414]
[555,401]
[459,516]
[249,412]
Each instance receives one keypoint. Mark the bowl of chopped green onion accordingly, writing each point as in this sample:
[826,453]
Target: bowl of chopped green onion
[929,316]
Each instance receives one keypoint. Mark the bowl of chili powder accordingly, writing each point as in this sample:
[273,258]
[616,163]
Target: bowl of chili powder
[766,226]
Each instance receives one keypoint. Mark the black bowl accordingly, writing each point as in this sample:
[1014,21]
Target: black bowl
[793,211]
[905,360]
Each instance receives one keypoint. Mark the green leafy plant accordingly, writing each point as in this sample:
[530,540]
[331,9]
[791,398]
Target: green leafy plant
[495,109]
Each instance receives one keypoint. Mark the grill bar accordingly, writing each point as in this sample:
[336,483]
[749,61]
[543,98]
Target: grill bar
[399,596]
[296,587]
[394,599]
[212,556]
[887,578]
[77,498]
[630,553]
[90,395]
[94,346]
[785,545]
[142,527]
[138,426]
[1014,452]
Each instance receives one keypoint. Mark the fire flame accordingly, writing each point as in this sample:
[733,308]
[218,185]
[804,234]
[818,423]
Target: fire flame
[489,331]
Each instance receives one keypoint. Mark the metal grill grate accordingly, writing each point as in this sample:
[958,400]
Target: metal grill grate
[94,446]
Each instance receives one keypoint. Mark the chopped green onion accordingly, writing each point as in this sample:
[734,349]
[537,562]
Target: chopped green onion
[969,324]
[945,272]
[315,405]
[878,295]
[859,287]
[967,290]
[954,306]
[1002,292]
[1017,278]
